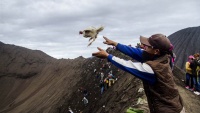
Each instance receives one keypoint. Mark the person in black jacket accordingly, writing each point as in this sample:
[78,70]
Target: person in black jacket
[193,66]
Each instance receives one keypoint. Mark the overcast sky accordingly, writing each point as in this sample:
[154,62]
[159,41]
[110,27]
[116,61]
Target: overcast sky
[52,26]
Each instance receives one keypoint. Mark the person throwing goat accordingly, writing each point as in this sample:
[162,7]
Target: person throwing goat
[153,68]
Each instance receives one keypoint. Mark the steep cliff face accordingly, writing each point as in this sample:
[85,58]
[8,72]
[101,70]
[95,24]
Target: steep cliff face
[21,62]
[33,82]
[116,99]
[186,42]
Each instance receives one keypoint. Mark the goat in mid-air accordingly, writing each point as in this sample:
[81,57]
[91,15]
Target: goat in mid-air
[91,32]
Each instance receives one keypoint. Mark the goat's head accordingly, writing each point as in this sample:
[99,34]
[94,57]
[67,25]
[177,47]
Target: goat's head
[80,32]
[87,33]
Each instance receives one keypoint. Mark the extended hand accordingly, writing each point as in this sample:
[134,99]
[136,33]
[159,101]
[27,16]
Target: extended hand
[101,54]
[109,42]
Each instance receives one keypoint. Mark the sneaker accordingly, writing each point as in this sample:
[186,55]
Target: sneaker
[196,92]
[187,87]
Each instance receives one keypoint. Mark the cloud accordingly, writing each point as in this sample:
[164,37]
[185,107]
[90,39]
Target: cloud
[53,25]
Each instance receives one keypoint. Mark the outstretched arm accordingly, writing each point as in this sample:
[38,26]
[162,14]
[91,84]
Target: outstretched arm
[135,53]
[109,42]
[140,70]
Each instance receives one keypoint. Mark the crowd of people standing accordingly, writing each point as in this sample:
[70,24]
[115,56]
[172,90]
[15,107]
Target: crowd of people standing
[192,67]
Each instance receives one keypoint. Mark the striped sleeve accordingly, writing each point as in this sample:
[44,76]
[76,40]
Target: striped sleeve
[141,70]
[135,53]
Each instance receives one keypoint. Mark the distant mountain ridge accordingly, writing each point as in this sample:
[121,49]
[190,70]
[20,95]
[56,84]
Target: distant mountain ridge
[186,42]
[21,62]
[32,81]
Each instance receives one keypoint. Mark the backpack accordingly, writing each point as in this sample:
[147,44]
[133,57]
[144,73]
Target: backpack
[198,62]
[192,64]
[198,66]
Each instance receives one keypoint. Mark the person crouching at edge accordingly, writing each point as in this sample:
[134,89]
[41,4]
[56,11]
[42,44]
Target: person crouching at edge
[153,68]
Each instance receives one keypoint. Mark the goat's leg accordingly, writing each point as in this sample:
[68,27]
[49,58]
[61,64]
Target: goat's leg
[90,39]
[91,42]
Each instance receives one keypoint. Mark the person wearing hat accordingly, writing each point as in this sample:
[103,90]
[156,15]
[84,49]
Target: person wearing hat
[189,77]
[153,68]
[194,66]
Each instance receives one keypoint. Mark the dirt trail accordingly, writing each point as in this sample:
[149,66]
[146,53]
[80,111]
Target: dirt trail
[191,101]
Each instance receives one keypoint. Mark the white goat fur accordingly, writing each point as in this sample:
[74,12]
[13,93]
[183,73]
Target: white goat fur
[92,33]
